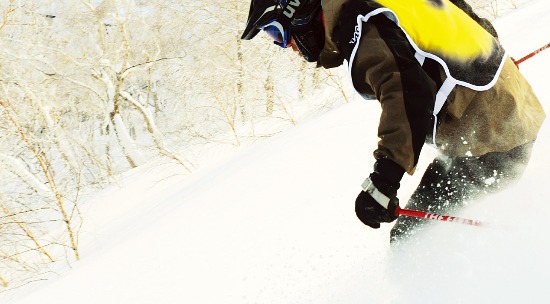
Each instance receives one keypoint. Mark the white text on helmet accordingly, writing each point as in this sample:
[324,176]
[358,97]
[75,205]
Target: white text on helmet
[289,9]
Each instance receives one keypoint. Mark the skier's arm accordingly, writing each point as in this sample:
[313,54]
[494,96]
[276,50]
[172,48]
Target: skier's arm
[385,67]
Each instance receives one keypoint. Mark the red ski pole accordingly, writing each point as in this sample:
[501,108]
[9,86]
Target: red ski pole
[517,62]
[435,216]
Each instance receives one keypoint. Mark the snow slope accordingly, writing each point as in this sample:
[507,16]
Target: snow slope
[274,223]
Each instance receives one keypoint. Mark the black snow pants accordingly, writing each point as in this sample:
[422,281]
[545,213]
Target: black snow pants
[450,183]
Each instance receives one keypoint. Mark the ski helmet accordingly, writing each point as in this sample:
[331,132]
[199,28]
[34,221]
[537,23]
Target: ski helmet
[281,19]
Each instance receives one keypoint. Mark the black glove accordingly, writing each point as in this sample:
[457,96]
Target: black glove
[371,213]
[379,189]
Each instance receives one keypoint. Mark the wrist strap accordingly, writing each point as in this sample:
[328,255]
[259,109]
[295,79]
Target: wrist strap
[378,196]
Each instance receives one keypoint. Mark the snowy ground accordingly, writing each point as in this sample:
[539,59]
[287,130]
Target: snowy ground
[274,223]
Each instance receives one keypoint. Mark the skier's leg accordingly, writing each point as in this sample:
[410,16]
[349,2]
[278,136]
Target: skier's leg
[427,197]
[450,183]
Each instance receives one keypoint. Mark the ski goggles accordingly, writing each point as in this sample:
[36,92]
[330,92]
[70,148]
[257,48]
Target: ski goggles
[278,33]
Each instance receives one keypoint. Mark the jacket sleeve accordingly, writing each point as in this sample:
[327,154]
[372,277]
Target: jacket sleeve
[385,67]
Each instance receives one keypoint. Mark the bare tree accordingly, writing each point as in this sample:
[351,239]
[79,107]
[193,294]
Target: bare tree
[92,88]
[492,9]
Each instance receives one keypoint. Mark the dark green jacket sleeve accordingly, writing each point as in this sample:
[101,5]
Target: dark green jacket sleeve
[385,67]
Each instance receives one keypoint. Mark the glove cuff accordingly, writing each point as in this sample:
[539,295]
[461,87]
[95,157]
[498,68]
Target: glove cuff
[388,171]
[369,187]
[386,176]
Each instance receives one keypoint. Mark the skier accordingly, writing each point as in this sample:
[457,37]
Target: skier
[441,78]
